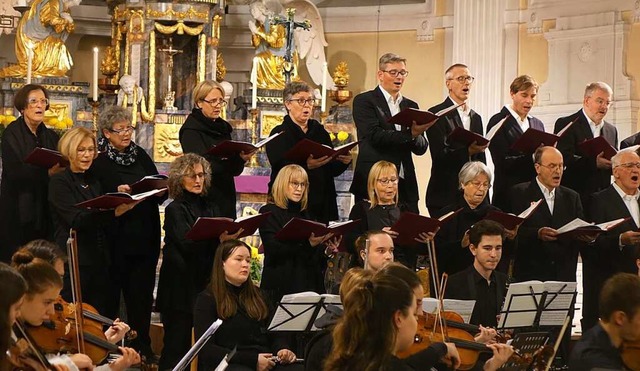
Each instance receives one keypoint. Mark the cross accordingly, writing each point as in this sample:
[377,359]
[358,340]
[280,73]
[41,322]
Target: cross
[290,25]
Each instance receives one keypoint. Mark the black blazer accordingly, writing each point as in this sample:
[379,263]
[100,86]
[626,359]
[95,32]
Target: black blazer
[197,135]
[448,157]
[381,141]
[24,210]
[511,167]
[462,286]
[322,189]
[582,175]
[535,259]
[630,141]
[137,232]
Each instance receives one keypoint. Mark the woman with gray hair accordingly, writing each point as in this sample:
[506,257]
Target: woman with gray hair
[186,264]
[135,239]
[452,240]
[298,125]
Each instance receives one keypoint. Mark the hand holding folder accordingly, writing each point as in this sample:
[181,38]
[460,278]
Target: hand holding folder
[113,200]
[301,229]
[228,148]
[45,158]
[510,221]
[305,148]
[579,229]
[149,182]
[210,228]
[467,137]
[408,116]
[595,146]
[410,225]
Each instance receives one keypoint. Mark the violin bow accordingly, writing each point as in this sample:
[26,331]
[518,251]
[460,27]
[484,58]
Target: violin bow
[76,292]
[21,333]
[558,341]
[438,285]
[366,254]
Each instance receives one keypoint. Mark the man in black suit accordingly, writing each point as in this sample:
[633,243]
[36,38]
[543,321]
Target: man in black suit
[540,254]
[448,157]
[382,140]
[513,167]
[586,174]
[631,141]
[480,281]
[614,251]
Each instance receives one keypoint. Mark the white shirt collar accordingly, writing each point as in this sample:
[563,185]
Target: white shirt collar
[625,196]
[545,190]
[389,98]
[516,116]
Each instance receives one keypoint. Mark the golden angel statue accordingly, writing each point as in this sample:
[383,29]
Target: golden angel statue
[270,42]
[42,31]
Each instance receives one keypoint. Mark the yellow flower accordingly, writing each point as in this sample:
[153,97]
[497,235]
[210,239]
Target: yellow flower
[343,135]
[68,122]
[254,252]
[332,136]
[2,118]
[9,119]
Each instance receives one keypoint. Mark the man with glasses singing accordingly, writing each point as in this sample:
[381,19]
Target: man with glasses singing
[382,140]
[614,251]
[448,157]
[540,254]
[586,174]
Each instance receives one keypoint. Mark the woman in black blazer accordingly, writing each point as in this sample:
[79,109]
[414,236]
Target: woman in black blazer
[203,129]
[186,264]
[233,298]
[75,184]
[135,238]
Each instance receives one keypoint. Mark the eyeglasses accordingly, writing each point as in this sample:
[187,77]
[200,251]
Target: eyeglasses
[127,130]
[386,182]
[395,73]
[602,102]
[462,79]
[82,150]
[630,165]
[554,167]
[302,102]
[296,185]
[480,185]
[34,102]
[216,102]
[196,176]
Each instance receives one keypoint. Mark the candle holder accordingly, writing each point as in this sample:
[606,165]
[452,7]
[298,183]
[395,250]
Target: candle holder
[323,117]
[95,104]
[254,136]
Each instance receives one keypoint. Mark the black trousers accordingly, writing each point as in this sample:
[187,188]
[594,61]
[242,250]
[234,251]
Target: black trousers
[177,337]
[95,285]
[135,277]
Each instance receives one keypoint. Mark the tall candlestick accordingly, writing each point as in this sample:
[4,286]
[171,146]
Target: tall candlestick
[325,72]
[29,64]
[254,84]
[95,74]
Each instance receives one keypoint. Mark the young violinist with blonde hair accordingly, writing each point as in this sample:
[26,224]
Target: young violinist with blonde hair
[44,285]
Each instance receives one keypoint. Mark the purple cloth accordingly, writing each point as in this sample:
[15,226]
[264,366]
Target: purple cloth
[252,184]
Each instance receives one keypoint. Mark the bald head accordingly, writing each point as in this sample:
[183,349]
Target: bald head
[549,166]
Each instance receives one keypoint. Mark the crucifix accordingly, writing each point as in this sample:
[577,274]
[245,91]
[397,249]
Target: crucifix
[290,25]
[170,97]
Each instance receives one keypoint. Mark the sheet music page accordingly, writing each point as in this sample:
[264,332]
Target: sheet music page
[495,129]
[612,224]
[267,140]
[302,309]
[575,223]
[444,111]
[556,317]
[463,307]
[525,214]
[329,299]
[520,304]
[565,128]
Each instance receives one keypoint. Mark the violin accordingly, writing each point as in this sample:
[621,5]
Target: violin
[631,355]
[23,355]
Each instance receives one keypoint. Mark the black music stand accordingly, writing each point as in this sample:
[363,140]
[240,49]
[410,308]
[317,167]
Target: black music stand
[526,343]
[195,349]
[298,315]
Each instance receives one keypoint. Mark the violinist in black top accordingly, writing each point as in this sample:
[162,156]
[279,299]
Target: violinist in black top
[203,129]
[135,237]
[233,297]
[298,125]
[186,264]
[70,187]
[24,210]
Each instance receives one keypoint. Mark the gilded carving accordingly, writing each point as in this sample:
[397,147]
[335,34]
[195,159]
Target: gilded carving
[166,141]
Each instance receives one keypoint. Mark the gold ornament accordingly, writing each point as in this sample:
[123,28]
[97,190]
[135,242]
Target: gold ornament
[341,75]
[221,70]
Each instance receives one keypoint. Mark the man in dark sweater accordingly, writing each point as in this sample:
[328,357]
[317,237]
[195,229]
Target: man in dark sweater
[600,347]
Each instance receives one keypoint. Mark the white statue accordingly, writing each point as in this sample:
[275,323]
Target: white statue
[309,44]
[125,94]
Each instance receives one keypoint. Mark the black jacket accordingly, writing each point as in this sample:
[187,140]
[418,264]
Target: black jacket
[511,167]
[137,232]
[322,190]
[381,141]
[24,210]
[186,264]
[582,175]
[197,135]
[289,266]
[448,157]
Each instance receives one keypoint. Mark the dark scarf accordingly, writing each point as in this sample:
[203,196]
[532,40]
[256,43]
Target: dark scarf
[201,123]
[125,158]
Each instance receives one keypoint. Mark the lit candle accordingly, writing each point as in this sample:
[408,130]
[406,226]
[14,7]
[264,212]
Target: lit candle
[325,72]
[254,83]
[29,64]
[95,74]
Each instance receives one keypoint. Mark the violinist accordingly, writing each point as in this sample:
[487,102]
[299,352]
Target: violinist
[13,289]
[50,253]
[600,347]
[44,285]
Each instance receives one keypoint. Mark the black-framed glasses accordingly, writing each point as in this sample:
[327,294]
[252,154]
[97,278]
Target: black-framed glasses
[34,102]
[216,102]
[296,185]
[462,79]
[127,130]
[395,73]
[303,102]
